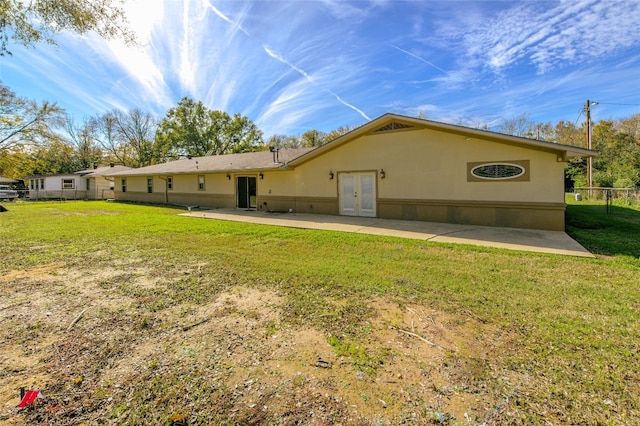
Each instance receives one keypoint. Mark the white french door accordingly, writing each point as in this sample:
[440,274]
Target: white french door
[357,194]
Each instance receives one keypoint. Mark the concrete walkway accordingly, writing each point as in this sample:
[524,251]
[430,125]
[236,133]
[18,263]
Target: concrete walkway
[555,242]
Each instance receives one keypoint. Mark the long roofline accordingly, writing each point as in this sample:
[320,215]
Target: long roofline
[563,152]
[247,162]
[567,151]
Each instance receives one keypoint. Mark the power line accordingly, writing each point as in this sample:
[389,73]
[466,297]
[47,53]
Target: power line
[575,125]
[579,115]
[611,103]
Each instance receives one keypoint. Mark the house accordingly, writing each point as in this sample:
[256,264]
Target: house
[219,181]
[62,186]
[91,184]
[393,167]
[97,185]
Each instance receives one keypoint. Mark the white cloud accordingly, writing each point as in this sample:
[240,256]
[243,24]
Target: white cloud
[548,37]
[343,10]
[291,65]
[137,61]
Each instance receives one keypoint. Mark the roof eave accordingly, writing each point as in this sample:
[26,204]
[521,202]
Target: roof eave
[565,151]
[282,166]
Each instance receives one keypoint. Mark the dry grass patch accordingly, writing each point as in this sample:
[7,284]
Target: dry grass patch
[235,358]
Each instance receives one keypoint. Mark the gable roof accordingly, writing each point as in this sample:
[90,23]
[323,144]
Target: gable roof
[394,122]
[249,161]
[59,175]
[102,171]
[264,160]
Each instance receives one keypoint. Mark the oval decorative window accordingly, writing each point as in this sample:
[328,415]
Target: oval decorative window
[497,171]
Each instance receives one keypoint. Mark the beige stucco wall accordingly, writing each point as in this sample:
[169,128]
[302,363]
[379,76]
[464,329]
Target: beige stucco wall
[214,183]
[426,178]
[277,183]
[276,191]
[430,165]
[218,192]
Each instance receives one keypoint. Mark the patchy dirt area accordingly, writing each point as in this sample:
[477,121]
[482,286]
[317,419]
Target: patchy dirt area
[108,345]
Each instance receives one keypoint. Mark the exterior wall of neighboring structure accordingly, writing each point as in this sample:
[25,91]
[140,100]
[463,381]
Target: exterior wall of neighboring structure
[68,187]
[98,188]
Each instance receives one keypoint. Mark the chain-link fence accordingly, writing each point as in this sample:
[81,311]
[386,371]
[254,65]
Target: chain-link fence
[627,195]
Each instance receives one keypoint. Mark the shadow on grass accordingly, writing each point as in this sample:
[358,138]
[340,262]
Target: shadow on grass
[613,233]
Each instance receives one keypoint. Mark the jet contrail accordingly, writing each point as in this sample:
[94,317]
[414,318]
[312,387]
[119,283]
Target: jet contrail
[281,59]
[225,18]
[310,79]
[419,58]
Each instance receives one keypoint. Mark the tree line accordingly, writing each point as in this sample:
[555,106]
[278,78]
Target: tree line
[40,139]
[616,140]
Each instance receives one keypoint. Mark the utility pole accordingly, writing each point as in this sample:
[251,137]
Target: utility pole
[587,109]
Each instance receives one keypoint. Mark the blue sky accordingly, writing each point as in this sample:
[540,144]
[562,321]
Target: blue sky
[291,66]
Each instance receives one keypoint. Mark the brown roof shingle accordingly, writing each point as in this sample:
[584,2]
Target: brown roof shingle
[262,160]
[103,171]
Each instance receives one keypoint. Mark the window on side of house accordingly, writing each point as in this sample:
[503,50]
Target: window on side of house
[32,184]
[498,171]
[68,184]
[201,183]
[88,184]
[124,184]
[41,184]
[170,183]
[149,185]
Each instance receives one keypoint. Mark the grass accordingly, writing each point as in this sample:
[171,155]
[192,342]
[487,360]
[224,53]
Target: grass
[573,324]
[613,232]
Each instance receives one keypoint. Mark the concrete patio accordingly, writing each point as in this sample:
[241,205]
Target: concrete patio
[555,242]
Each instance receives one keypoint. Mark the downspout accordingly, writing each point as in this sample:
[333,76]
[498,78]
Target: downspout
[166,189]
[110,179]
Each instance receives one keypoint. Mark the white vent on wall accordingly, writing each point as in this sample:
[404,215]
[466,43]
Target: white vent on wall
[393,126]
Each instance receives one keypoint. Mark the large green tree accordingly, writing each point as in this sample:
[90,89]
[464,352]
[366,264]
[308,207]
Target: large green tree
[618,164]
[566,133]
[33,21]
[14,163]
[53,157]
[192,129]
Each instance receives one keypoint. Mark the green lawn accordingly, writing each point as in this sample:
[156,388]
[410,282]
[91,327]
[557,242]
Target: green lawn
[612,231]
[573,324]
